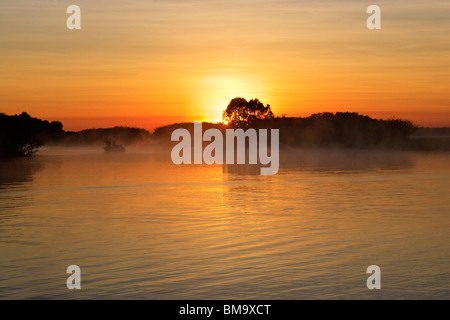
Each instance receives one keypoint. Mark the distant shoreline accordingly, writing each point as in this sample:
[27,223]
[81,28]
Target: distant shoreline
[22,135]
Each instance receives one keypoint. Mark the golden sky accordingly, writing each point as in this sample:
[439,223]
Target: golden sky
[146,63]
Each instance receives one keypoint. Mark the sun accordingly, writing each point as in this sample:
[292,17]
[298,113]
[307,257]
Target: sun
[215,92]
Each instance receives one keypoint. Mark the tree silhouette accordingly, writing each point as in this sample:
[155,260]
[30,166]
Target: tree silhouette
[242,113]
[22,135]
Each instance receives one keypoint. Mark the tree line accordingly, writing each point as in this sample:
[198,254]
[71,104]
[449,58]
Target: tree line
[328,129]
[22,135]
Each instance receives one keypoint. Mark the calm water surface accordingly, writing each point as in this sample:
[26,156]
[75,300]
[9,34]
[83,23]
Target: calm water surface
[141,227]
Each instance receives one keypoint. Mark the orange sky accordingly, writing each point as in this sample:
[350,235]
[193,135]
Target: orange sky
[148,63]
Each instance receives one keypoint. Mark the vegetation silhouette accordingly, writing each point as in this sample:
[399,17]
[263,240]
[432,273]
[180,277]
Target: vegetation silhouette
[125,135]
[22,135]
[162,135]
[241,113]
[341,130]
[336,130]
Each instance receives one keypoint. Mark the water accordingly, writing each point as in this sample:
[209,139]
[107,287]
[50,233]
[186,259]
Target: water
[140,227]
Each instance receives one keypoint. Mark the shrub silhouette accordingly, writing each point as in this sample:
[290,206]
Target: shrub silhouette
[22,135]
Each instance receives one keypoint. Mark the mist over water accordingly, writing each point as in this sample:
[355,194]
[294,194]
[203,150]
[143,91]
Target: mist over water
[141,227]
